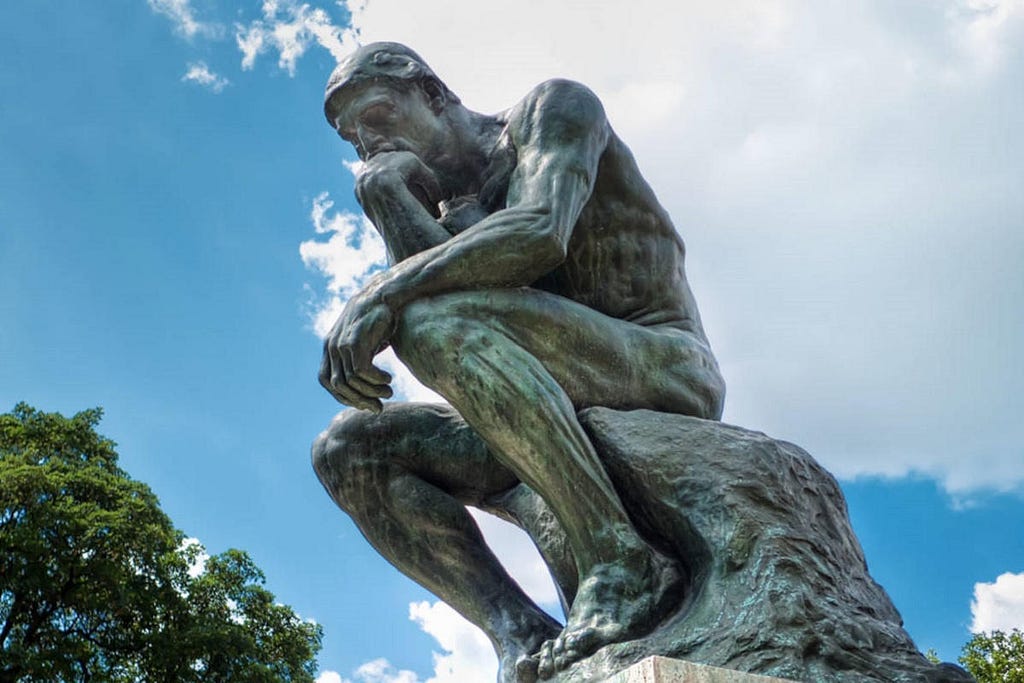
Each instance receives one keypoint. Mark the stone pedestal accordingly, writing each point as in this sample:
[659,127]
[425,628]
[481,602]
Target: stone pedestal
[664,670]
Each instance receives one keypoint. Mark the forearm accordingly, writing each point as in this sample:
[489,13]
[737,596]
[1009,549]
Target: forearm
[511,248]
[404,224]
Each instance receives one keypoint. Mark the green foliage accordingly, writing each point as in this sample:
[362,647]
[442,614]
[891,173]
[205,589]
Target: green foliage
[95,581]
[995,657]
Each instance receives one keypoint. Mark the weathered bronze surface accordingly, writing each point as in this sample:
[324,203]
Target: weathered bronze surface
[535,279]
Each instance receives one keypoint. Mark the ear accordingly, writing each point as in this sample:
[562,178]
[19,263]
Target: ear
[435,94]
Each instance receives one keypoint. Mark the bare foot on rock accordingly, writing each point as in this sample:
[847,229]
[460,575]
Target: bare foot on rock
[517,662]
[615,603]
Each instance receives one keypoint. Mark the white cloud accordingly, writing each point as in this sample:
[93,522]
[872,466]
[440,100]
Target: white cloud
[200,73]
[181,13]
[999,605]
[468,655]
[374,671]
[290,29]
[352,252]
[652,47]
[984,29]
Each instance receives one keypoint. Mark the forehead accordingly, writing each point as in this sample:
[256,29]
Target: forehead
[348,103]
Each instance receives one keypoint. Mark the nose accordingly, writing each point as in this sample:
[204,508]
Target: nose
[369,141]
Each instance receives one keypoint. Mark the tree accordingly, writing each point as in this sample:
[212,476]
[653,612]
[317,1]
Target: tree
[95,581]
[995,657]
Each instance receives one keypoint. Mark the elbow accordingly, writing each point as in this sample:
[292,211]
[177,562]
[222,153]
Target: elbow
[552,247]
[540,241]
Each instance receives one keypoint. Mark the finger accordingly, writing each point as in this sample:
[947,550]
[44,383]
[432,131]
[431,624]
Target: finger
[325,371]
[345,393]
[332,375]
[350,397]
[369,372]
[346,367]
[340,388]
[331,366]
[360,365]
[369,390]
[368,394]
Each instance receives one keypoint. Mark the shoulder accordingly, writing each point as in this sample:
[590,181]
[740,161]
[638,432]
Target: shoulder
[561,97]
[558,107]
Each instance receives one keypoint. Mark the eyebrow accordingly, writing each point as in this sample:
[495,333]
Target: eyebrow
[379,99]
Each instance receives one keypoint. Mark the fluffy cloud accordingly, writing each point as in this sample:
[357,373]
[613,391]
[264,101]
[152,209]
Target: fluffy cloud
[352,252]
[183,16]
[290,29]
[999,605]
[467,657]
[468,654]
[201,74]
[381,671]
[985,29]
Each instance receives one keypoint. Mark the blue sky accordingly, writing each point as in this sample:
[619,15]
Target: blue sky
[176,222]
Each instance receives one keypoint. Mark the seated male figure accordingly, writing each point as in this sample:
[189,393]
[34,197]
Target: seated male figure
[533,274]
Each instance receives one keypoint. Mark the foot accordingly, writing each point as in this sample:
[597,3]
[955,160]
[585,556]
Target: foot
[516,663]
[617,602]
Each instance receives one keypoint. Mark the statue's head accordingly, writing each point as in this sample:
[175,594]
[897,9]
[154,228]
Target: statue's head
[383,97]
[391,64]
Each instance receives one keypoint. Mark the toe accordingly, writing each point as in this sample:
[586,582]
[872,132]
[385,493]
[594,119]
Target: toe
[526,669]
[566,658]
[545,661]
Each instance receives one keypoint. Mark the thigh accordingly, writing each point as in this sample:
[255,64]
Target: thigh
[598,360]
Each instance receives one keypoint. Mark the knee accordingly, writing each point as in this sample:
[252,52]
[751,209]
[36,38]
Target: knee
[710,388]
[714,394]
[695,386]
[341,453]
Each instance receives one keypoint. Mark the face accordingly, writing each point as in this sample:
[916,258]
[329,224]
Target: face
[382,118]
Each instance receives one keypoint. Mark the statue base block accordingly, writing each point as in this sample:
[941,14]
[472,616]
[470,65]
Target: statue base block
[665,670]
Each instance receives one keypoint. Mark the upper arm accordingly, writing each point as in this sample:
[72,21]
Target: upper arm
[560,132]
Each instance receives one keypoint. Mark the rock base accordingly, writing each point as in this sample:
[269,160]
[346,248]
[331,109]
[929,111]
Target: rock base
[777,582]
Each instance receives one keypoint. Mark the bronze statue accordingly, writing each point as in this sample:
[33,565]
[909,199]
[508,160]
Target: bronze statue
[536,283]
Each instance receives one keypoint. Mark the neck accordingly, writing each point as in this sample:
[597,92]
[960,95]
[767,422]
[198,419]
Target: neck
[460,165]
